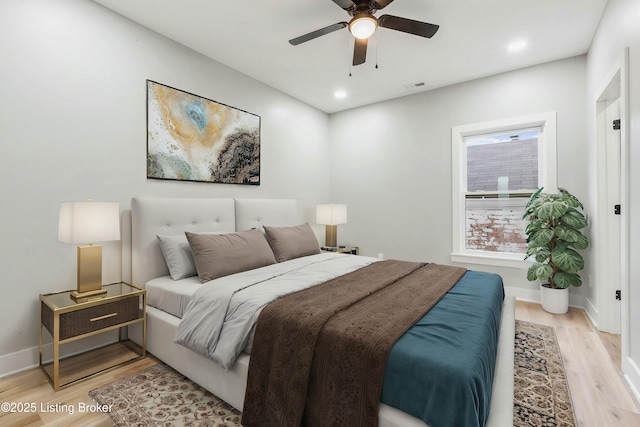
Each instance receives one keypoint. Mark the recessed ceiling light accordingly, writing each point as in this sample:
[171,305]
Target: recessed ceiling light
[340,94]
[517,46]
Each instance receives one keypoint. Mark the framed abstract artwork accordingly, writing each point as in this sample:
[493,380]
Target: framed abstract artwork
[191,138]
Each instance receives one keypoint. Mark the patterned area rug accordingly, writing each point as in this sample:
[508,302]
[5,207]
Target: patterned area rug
[541,393]
[159,396]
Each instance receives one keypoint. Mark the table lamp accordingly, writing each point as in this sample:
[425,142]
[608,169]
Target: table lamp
[85,223]
[331,215]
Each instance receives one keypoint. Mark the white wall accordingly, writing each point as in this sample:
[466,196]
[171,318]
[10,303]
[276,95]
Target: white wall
[618,30]
[73,126]
[391,161]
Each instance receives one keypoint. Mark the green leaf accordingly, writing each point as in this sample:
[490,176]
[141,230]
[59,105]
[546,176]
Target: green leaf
[551,209]
[540,253]
[533,226]
[564,280]
[561,245]
[542,236]
[531,273]
[567,260]
[581,243]
[528,208]
[543,255]
[567,233]
[540,271]
[574,218]
[570,199]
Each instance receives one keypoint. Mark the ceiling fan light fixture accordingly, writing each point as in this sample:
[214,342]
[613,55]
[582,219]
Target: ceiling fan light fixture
[363,26]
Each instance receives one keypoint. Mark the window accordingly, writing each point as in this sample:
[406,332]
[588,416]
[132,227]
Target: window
[496,167]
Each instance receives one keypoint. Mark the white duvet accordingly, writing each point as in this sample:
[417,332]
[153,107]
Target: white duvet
[220,318]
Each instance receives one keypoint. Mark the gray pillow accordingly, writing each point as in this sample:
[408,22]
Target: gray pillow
[177,255]
[292,242]
[224,254]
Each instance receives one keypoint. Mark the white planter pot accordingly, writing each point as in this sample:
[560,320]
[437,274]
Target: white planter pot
[554,301]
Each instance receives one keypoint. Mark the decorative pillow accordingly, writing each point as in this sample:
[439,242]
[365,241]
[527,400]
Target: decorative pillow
[292,242]
[223,254]
[177,255]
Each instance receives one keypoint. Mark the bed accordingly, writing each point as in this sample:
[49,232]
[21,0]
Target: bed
[144,264]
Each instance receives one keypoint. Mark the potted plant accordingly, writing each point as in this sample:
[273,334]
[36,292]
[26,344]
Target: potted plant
[553,240]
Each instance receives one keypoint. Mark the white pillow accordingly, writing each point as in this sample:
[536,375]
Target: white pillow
[177,255]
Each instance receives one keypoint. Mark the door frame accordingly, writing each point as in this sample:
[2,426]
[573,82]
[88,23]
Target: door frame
[615,86]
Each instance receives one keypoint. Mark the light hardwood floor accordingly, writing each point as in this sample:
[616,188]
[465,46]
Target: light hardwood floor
[600,395]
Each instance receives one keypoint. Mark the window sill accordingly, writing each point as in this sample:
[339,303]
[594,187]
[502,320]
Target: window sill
[503,260]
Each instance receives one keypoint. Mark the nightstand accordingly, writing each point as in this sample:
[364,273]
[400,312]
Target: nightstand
[68,321]
[354,250]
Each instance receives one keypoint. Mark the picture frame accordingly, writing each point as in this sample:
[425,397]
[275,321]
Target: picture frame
[192,138]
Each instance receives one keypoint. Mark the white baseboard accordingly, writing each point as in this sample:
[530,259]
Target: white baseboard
[30,358]
[533,295]
[18,361]
[592,312]
[632,376]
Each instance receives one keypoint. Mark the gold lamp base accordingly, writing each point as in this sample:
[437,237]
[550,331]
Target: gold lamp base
[331,236]
[89,274]
[87,296]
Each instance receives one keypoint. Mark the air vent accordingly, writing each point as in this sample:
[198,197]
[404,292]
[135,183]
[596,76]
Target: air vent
[413,85]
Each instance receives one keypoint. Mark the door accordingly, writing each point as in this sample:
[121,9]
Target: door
[613,169]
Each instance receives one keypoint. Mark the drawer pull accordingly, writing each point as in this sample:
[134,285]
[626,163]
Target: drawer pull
[106,316]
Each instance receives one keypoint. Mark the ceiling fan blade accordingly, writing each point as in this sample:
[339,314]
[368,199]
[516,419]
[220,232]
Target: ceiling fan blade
[359,51]
[345,4]
[381,4]
[410,26]
[317,33]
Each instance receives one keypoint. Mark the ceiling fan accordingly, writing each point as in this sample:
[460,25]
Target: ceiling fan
[363,24]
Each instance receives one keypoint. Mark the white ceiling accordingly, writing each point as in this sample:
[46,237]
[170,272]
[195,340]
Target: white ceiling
[252,36]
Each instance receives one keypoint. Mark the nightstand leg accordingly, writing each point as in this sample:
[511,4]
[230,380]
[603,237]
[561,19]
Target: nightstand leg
[40,345]
[144,325]
[56,352]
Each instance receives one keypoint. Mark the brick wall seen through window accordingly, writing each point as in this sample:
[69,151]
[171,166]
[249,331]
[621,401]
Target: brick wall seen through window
[501,173]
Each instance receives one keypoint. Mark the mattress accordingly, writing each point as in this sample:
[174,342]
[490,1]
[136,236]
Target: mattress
[171,296]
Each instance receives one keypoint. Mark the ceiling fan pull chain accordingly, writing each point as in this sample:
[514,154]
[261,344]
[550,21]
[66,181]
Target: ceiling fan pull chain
[350,43]
[377,43]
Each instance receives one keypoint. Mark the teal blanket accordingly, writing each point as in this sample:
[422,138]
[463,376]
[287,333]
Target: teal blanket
[441,370]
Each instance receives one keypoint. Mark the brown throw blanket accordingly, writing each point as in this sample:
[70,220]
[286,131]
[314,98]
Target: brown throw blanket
[319,355]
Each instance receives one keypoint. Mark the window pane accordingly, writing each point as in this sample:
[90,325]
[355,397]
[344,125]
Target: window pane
[496,224]
[505,162]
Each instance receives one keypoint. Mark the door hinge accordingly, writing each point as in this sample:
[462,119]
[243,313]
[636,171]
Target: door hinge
[616,124]
[619,295]
[616,209]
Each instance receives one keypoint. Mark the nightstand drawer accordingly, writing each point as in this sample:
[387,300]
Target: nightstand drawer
[94,318]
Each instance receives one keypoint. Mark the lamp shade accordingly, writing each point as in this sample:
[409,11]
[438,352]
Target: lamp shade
[88,222]
[331,214]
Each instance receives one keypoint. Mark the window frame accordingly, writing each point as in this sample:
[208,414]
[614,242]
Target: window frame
[547,176]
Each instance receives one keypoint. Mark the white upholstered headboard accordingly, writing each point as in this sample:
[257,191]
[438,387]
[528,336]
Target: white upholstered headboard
[169,216]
